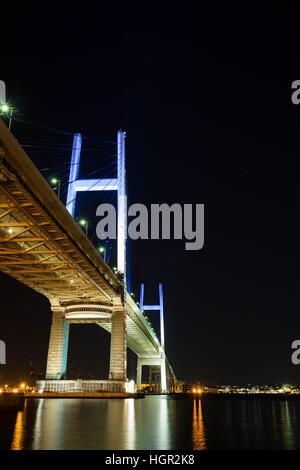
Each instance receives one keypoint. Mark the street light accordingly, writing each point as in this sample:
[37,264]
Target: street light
[56,181]
[84,223]
[7,109]
[102,250]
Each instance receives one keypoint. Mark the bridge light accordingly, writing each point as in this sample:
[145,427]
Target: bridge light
[10,230]
[5,108]
[56,181]
[114,268]
[23,385]
[101,249]
[84,223]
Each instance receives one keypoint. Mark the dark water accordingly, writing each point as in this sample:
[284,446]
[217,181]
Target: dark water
[153,423]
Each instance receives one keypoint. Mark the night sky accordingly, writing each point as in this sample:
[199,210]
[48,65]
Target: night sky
[205,99]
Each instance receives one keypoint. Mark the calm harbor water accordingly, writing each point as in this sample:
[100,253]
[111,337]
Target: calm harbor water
[153,423]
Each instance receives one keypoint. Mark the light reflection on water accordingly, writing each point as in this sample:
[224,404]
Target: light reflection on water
[94,424]
[18,436]
[156,422]
[199,441]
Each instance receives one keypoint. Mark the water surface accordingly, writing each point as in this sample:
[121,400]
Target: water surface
[153,423]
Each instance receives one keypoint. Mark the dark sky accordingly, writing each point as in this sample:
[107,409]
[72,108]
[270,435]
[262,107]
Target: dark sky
[205,99]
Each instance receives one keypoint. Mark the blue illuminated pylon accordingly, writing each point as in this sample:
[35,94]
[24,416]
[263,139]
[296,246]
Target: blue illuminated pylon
[159,307]
[103,184]
[74,170]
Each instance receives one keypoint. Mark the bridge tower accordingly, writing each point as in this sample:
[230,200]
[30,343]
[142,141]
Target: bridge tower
[160,362]
[103,184]
[59,335]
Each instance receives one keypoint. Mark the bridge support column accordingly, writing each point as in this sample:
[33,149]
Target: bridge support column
[118,345]
[161,363]
[163,377]
[58,346]
[139,374]
[150,377]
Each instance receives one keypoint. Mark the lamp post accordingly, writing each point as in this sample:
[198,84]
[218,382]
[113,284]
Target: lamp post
[102,250]
[84,223]
[7,109]
[56,181]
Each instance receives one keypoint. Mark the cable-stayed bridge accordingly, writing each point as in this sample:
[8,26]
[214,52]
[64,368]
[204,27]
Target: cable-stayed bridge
[42,246]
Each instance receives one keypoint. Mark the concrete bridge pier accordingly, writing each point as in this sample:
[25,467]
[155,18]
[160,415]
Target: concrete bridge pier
[118,346]
[58,345]
[59,339]
[171,381]
[161,362]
